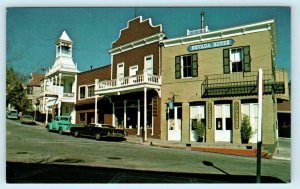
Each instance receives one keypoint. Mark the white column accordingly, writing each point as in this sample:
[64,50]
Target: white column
[46,115]
[113,115]
[96,109]
[125,116]
[139,118]
[56,89]
[152,124]
[175,119]
[59,108]
[145,112]
[52,86]
[59,92]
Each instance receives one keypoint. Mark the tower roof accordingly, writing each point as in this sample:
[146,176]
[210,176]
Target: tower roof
[64,37]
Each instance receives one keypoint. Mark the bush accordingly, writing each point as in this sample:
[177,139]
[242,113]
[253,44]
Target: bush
[246,129]
[199,130]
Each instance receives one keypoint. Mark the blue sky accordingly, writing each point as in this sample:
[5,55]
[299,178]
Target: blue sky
[31,33]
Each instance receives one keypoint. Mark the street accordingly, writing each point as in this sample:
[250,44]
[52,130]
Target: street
[35,155]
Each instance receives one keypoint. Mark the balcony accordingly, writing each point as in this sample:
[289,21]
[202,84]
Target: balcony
[243,84]
[128,84]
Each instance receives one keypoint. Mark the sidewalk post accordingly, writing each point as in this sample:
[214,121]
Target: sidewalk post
[259,126]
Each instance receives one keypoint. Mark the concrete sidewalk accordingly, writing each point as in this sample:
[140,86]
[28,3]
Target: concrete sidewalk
[221,147]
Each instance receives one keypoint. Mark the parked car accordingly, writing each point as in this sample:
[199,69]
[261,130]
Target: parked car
[98,131]
[12,114]
[62,124]
[27,119]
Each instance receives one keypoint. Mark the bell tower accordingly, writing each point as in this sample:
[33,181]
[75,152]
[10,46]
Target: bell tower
[64,46]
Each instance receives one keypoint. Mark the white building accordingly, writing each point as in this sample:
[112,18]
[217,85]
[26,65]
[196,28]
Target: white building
[59,84]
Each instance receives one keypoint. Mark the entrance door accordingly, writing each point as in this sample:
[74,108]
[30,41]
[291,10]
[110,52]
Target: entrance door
[149,64]
[174,124]
[251,109]
[120,73]
[132,74]
[223,123]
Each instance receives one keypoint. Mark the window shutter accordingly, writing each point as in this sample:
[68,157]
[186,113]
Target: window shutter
[177,67]
[195,65]
[247,59]
[226,62]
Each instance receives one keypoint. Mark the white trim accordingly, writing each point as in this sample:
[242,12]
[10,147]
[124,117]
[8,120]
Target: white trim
[138,43]
[268,25]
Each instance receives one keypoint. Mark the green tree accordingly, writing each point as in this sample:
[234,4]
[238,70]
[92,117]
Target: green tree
[15,93]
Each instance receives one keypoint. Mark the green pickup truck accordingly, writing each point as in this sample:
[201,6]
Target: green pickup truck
[61,124]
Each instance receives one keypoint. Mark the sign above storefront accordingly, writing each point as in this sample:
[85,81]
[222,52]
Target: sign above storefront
[210,45]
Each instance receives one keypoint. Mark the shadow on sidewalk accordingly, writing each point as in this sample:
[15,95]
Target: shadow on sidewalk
[55,173]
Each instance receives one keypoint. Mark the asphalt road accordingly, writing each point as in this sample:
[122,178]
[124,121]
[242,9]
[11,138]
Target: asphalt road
[37,156]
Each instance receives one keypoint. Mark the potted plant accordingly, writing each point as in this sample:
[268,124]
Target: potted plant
[246,129]
[199,130]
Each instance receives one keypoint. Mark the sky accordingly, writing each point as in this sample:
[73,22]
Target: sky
[31,33]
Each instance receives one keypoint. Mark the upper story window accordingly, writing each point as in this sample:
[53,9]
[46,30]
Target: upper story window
[237,60]
[82,92]
[91,91]
[186,66]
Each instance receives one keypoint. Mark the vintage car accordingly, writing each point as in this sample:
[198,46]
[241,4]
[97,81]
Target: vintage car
[12,114]
[98,131]
[27,119]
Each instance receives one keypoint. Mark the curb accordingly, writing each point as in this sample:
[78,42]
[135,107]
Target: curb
[227,151]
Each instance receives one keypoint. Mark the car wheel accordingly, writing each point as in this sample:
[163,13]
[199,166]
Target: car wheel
[97,136]
[60,131]
[76,133]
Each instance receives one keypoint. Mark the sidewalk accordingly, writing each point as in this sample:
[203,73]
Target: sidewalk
[223,148]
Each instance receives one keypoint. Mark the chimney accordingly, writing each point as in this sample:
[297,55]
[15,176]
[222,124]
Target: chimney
[202,21]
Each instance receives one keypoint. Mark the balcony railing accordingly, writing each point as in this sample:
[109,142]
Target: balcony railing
[243,83]
[128,81]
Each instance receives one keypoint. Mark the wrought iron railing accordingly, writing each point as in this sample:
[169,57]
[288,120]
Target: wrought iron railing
[243,83]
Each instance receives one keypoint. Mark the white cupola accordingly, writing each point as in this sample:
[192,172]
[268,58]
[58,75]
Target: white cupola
[64,59]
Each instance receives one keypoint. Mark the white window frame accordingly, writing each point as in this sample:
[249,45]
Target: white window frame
[87,89]
[79,91]
[118,71]
[181,64]
[233,61]
[146,66]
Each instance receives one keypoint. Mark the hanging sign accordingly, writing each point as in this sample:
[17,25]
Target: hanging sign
[210,45]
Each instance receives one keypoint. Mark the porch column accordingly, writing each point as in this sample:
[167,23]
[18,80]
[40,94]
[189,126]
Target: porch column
[175,119]
[59,108]
[138,118]
[96,109]
[46,115]
[59,84]
[113,114]
[52,86]
[152,121]
[145,112]
[125,116]
[56,88]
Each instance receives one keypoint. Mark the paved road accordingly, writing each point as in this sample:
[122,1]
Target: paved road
[41,154]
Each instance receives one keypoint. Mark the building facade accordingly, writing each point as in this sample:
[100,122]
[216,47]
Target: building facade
[211,76]
[58,94]
[86,99]
[33,93]
[135,84]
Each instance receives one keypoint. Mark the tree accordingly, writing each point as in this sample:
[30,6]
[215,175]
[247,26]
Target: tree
[15,93]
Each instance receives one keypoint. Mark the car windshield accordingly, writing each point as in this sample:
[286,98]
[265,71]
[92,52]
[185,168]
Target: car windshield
[108,126]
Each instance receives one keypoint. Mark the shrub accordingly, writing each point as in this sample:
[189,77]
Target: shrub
[246,129]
